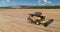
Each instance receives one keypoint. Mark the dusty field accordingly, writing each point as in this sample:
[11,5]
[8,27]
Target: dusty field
[15,20]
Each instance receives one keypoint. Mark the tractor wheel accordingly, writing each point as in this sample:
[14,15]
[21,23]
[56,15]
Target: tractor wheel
[37,22]
[48,22]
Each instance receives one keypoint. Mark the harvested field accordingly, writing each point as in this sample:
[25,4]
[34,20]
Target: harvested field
[15,20]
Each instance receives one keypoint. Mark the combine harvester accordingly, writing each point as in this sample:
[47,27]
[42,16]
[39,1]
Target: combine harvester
[38,19]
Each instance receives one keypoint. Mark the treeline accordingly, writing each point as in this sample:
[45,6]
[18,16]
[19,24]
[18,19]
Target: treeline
[45,7]
[33,7]
[5,8]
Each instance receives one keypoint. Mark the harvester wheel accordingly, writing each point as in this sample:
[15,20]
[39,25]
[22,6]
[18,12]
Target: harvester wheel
[30,20]
[37,22]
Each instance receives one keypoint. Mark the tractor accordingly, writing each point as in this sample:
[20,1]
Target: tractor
[37,18]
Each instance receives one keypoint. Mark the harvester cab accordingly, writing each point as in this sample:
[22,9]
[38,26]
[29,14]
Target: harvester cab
[37,18]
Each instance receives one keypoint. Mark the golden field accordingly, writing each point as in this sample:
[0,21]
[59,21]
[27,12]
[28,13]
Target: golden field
[15,20]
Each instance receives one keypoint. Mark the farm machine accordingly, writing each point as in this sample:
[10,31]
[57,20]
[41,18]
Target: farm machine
[38,19]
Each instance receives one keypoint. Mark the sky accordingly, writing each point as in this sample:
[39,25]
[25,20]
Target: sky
[29,2]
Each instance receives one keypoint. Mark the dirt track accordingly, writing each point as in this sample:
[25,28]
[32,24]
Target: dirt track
[15,20]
